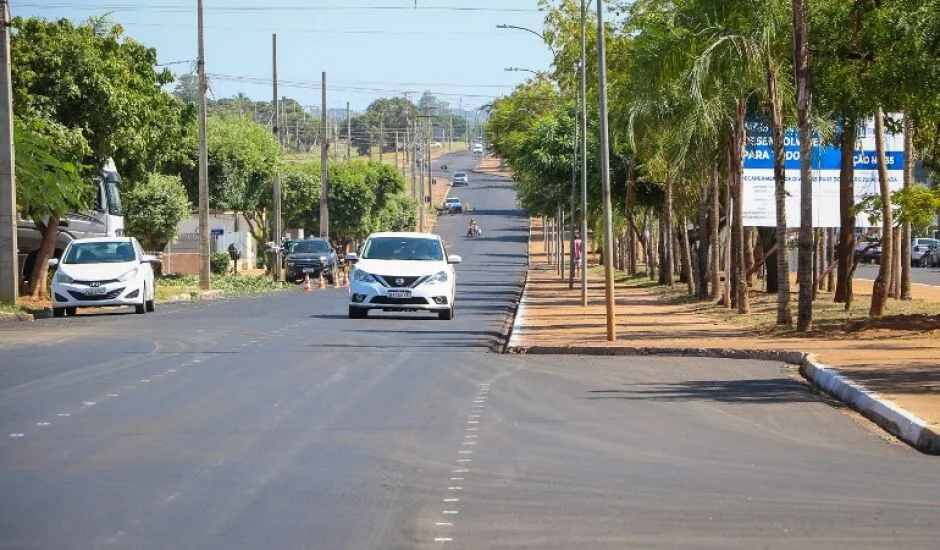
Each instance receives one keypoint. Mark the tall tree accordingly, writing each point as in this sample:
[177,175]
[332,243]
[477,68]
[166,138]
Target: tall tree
[804,103]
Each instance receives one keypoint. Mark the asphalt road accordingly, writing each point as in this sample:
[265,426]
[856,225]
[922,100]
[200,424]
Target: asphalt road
[277,422]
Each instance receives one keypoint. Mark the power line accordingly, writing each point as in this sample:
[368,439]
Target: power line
[174,8]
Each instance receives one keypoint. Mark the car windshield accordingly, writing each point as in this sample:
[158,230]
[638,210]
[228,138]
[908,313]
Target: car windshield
[932,243]
[453,201]
[402,248]
[310,247]
[459,175]
[100,253]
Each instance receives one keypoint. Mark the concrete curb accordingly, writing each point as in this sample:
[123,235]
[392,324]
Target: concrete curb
[898,422]
[508,328]
[202,296]
[12,318]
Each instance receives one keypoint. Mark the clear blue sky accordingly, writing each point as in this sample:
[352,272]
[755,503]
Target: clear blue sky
[369,48]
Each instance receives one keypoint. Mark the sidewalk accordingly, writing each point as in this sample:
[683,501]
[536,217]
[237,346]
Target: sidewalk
[901,367]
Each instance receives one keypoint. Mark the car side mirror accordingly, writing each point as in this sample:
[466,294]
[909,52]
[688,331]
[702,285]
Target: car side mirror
[54,263]
[454,259]
[352,257]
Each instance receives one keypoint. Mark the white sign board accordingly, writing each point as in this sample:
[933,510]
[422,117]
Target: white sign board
[758,189]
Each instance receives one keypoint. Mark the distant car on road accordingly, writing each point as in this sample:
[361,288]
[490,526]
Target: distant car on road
[922,249]
[477,148]
[101,272]
[403,272]
[453,205]
[460,178]
[311,257]
[436,145]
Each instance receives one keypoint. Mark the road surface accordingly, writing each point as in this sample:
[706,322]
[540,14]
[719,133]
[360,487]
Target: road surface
[277,422]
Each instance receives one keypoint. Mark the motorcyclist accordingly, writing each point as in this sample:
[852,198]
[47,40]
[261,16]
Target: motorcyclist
[473,229]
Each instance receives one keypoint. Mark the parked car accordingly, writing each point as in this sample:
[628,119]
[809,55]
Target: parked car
[403,272]
[453,205]
[103,271]
[311,257]
[460,178]
[921,249]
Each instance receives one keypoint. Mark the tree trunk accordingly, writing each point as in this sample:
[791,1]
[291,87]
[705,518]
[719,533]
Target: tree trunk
[817,260]
[846,203]
[701,248]
[749,255]
[650,246]
[879,294]
[804,103]
[896,265]
[906,228]
[740,141]
[687,256]
[667,273]
[830,256]
[37,280]
[715,241]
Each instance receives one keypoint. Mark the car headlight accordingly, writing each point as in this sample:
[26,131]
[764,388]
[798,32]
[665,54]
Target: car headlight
[437,278]
[324,260]
[61,277]
[362,276]
[128,275]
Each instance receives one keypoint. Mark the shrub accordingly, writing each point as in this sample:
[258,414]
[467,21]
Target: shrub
[219,263]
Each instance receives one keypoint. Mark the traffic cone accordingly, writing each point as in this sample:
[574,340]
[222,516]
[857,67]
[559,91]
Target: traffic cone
[336,282]
[345,278]
[321,284]
[307,287]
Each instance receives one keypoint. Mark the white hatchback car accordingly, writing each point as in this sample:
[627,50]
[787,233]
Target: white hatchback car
[403,272]
[99,272]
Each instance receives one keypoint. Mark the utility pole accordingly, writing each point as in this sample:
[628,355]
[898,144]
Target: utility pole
[204,280]
[584,128]
[396,150]
[276,237]
[420,197]
[348,134]
[9,259]
[381,139]
[605,177]
[324,162]
[450,142]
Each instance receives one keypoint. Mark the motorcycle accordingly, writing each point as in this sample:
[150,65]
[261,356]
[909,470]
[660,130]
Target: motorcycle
[474,231]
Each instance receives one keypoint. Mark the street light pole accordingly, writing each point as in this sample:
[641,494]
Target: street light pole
[605,177]
[584,128]
[276,222]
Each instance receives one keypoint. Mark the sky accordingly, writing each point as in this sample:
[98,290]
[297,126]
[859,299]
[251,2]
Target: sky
[368,48]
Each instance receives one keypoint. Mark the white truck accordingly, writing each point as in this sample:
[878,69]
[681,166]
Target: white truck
[106,219]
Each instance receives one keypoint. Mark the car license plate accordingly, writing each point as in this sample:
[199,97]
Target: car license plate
[96,291]
[310,270]
[399,294]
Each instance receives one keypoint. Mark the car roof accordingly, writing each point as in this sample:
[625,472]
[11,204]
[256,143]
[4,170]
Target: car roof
[308,239]
[451,199]
[102,240]
[408,234]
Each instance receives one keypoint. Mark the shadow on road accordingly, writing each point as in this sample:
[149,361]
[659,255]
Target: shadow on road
[724,391]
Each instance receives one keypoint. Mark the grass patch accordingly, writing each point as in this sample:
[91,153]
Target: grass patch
[26,304]
[174,285]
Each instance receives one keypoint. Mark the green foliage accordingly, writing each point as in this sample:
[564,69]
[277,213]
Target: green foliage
[154,209]
[93,79]
[300,197]
[48,169]
[243,158]
[400,213]
[234,284]
[219,263]
[351,201]
[917,205]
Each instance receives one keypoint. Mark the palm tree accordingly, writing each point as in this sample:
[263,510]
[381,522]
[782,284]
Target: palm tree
[804,104]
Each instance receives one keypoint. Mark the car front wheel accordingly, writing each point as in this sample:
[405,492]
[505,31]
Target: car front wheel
[358,312]
[58,312]
[447,314]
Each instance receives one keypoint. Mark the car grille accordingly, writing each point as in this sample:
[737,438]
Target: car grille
[392,281]
[81,297]
[97,283]
[413,301]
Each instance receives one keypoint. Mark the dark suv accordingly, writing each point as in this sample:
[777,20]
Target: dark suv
[311,257]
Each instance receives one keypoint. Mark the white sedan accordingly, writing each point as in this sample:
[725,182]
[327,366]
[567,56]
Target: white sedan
[403,272]
[101,272]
